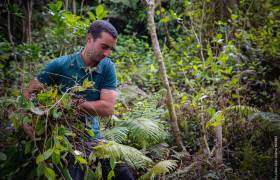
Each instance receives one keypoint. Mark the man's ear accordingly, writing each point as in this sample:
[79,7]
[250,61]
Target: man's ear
[88,37]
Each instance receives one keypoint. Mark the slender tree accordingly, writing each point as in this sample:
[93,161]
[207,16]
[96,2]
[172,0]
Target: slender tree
[163,75]
[219,145]
[27,24]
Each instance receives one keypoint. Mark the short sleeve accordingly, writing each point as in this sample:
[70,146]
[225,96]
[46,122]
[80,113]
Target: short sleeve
[48,75]
[110,80]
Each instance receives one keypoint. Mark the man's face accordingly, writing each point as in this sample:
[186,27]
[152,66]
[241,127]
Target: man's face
[101,47]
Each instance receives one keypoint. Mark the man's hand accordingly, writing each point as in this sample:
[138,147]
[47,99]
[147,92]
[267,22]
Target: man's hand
[29,131]
[77,101]
[33,86]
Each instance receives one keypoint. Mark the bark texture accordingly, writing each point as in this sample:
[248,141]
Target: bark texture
[163,75]
[27,24]
[219,145]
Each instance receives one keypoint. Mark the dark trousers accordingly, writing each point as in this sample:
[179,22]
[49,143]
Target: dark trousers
[121,170]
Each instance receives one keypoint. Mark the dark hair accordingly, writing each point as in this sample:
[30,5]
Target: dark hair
[102,26]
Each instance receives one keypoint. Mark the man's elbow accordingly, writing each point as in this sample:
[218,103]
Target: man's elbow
[108,112]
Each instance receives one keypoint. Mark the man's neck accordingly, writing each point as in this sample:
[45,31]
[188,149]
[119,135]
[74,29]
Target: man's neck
[87,60]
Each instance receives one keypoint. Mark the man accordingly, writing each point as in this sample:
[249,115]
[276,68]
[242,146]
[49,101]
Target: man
[91,63]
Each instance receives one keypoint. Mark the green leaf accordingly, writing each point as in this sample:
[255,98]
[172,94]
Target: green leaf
[40,169]
[98,171]
[91,16]
[234,17]
[158,12]
[49,173]
[81,160]
[27,147]
[56,156]
[66,174]
[164,19]
[89,175]
[211,111]
[66,99]
[56,114]
[90,132]
[55,6]
[173,14]
[100,12]
[47,154]
[40,127]
[92,157]
[112,163]
[216,120]
[111,174]
[39,159]
[218,37]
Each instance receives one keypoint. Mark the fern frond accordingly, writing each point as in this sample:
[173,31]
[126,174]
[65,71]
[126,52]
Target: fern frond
[160,168]
[159,151]
[145,130]
[117,134]
[244,110]
[219,116]
[132,156]
[273,118]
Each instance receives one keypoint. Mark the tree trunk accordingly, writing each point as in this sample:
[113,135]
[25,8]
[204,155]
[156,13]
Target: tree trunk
[219,145]
[9,29]
[82,6]
[27,24]
[74,7]
[66,3]
[163,75]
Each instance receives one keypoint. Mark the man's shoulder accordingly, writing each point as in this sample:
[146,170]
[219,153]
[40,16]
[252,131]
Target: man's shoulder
[66,59]
[107,63]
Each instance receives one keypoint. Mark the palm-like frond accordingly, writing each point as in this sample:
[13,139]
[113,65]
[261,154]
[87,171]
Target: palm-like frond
[160,168]
[244,110]
[273,118]
[117,134]
[219,116]
[132,156]
[145,130]
[159,151]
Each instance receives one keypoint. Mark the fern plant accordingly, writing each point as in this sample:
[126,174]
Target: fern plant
[143,126]
[118,134]
[145,131]
[132,156]
[160,168]
[219,117]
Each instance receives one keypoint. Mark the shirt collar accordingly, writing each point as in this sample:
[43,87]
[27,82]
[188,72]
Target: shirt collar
[81,64]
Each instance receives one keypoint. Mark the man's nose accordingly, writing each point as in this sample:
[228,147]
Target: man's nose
[106,53]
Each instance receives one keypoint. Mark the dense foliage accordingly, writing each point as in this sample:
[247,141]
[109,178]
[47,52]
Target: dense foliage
[222,60]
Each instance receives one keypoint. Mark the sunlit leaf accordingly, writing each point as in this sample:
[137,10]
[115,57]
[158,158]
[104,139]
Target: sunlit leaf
[81,160]
[49,173]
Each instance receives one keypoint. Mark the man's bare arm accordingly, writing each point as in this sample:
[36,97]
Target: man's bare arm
[33,86]
[103,107]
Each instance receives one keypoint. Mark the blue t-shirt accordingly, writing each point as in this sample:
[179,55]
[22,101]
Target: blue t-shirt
[68,71]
